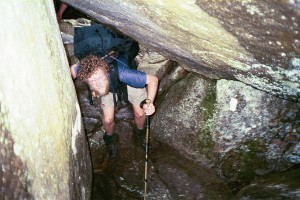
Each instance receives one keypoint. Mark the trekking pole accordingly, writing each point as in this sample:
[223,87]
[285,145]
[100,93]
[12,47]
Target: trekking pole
[146,148]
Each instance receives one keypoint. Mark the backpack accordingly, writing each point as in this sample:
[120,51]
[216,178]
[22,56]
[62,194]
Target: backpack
[99,40]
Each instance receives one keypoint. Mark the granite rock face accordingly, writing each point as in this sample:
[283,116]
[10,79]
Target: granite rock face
[44,152]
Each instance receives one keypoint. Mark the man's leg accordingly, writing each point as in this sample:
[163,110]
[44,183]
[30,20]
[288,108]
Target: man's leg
[139,116]
[108,120]
[135,97]
[108,111]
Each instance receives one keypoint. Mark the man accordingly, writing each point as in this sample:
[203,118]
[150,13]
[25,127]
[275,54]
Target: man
[95,72]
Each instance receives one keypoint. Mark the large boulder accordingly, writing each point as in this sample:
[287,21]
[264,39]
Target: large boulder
[242,131]
[43,149]
[180,120]
[255,133]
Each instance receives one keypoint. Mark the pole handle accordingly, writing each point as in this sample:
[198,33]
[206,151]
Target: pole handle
[145,101]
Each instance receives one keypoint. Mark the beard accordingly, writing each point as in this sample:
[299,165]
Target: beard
[100,88]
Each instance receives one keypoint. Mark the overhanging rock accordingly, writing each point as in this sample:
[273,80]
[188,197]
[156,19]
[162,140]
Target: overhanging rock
[255,42]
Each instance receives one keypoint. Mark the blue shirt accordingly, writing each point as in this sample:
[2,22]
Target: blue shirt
[131,77]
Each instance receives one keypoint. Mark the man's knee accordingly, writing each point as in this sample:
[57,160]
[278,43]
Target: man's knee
[108,120]
[140,114]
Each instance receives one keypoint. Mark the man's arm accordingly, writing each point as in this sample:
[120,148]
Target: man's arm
[152,85]
[74,70]
[61,11]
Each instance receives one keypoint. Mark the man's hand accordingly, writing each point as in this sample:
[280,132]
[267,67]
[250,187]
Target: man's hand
[152,84]
[148,106]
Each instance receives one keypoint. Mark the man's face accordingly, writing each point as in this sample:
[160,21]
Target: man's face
[99,83]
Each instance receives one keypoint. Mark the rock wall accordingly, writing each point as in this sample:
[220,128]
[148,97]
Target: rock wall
[44,152]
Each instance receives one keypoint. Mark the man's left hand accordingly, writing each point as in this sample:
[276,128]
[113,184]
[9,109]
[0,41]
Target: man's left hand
[149,108]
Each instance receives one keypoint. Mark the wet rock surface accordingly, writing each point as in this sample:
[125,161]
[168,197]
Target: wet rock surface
[170,175]
[276,186]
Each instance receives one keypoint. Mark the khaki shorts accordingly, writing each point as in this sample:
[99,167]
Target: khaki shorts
[135,97]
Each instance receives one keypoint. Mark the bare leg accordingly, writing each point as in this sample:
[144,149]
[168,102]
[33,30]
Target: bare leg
[139,116]
[108,120]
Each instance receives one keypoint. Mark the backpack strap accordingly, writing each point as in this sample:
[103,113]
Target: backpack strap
[114,79]
[119,89]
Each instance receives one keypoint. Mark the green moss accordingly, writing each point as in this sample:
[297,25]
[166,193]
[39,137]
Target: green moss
[205,142]
[240,165]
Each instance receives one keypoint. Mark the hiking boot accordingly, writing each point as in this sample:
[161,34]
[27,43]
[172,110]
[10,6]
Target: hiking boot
[110,141]
[140,136]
